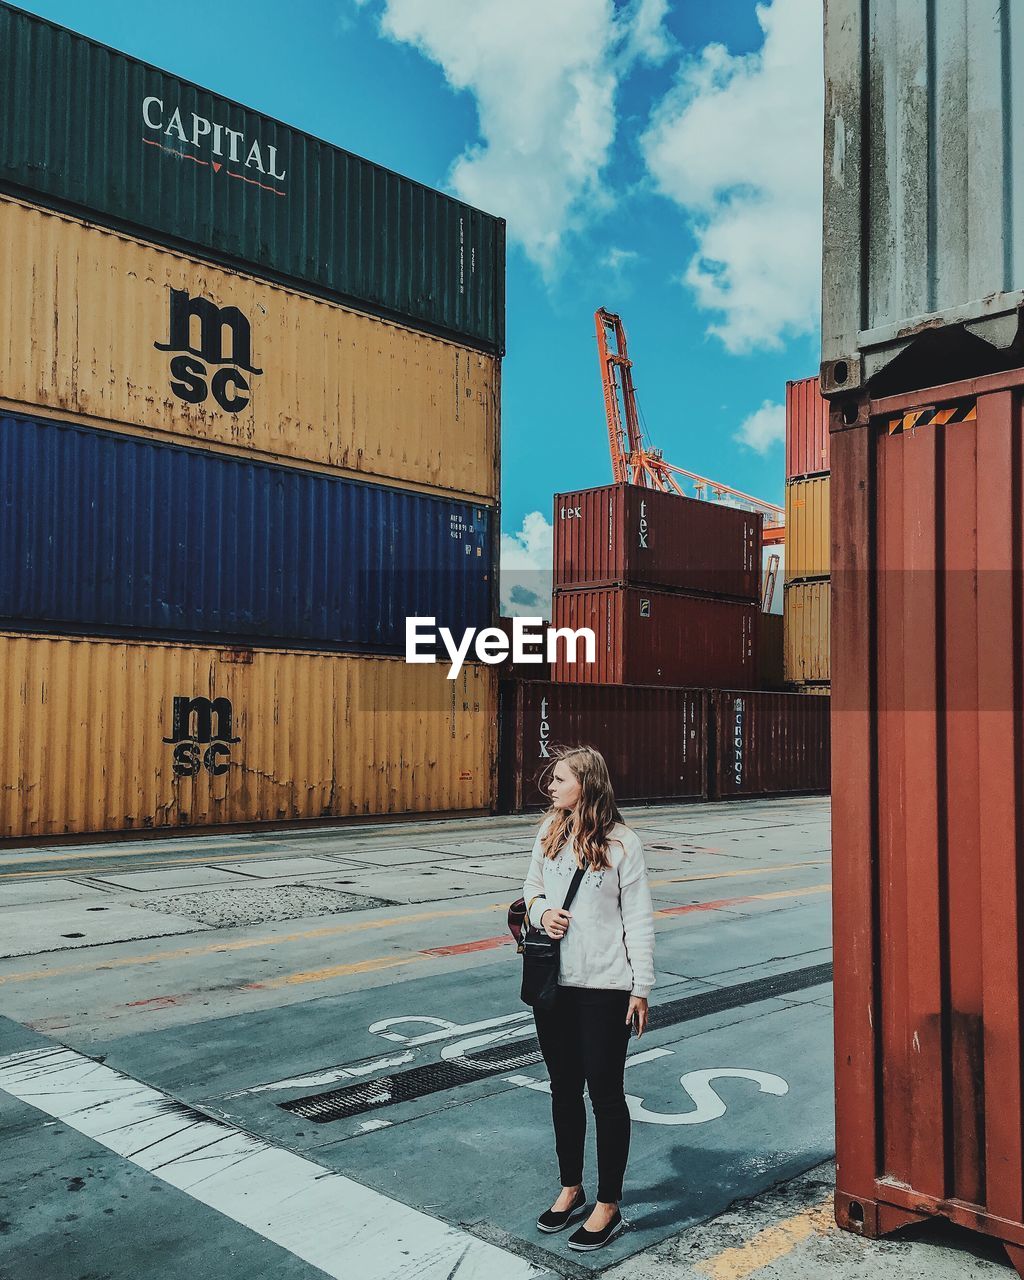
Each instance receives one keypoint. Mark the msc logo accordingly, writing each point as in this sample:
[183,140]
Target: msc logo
[191,380]
[199,722]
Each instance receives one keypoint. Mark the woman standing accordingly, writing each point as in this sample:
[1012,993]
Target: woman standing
[606,969]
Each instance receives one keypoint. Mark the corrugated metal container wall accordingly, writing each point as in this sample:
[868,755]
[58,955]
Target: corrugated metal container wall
[111,534]
[807,434]
[808,531]
[807,631]
[109,328]
[508,670]
[928,811]
[770,660]
[657,637]
[90,128]
[769,744]
[103,736]
[653,739]
[924,193]
[629,535]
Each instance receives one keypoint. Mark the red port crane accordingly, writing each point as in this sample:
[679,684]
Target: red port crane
[634,461]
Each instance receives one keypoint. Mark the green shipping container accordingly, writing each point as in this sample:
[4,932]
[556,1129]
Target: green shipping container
[92,131]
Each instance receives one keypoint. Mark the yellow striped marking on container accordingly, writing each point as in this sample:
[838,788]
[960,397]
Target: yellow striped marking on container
[769,1245]
[941,416]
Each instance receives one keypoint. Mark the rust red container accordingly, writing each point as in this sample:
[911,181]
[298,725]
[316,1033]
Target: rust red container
[655,740]
[626,535]
[807,436]
[508,670]
[928,808]
[770,649]
[658,637]
[768,744]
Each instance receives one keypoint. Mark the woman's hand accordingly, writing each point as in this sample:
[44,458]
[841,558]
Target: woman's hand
[637,1010]
[555,921]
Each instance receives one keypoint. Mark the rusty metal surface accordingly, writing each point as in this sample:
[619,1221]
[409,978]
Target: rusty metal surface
[770,651]
[768,743]
[807,611]
[628,535]
[654,739]
[922,178]
[98,735]
[928,813]
[807,529]
[658,637]
[807,434]
[100,336]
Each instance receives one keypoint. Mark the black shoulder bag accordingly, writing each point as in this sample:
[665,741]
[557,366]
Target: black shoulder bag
[540,957]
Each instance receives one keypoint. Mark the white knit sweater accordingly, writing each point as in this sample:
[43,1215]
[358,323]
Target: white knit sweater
[610,939]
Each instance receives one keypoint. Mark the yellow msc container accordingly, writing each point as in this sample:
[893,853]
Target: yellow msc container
[808,536]
[102,327]
[104,736]
[806,631]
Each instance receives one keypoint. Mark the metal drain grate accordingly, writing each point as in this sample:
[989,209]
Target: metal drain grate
[354,1100]
[435,1077]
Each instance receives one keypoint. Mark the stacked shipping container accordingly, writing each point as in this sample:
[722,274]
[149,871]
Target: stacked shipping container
[665,744]
[235,397]
[669,585]
[807,599]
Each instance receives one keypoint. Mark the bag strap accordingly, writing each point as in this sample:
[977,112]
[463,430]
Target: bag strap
[576,882]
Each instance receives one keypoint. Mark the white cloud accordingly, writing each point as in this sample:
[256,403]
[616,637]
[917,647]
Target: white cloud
[526,572]
[737,143]
[544,74]
[618,259]
[648,40]
[764,428]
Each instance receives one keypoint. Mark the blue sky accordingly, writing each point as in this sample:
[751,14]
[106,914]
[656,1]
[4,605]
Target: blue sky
[658,157]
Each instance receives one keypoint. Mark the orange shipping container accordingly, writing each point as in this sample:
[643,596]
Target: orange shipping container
[808,532]
[806,617]
[104,327]
[98,735]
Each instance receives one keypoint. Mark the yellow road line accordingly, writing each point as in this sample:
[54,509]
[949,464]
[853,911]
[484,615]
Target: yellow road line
[750,871]
[339,971]
[387,962]
[769,1245]
[246,944]
[325,931]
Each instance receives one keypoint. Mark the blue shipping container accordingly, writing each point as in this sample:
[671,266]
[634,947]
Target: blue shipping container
[109,534]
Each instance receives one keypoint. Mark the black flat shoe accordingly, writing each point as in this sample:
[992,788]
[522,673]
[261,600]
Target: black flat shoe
[583,1240]
[551,1221]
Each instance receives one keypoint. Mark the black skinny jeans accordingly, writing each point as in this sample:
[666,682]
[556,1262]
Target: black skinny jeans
[584,1039]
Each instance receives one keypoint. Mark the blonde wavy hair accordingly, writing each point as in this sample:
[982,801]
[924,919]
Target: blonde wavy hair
[595,814]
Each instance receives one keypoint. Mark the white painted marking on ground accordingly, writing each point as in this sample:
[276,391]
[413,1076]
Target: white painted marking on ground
[368,1126]
[634,1060]
[508,1026]
[448,1028]
[330,1076]
[324,1218]
[708,1105]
